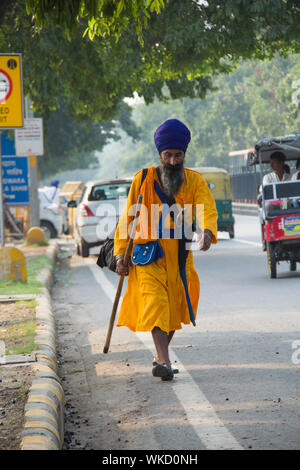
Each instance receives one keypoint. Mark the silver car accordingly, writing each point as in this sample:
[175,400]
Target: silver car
[98,211]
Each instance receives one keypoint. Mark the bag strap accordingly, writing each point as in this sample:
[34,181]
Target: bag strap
[144,174]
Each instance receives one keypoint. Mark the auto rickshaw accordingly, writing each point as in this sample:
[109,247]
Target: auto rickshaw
[218,181]
[280,205]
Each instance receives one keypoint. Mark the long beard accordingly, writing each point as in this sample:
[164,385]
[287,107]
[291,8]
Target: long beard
[172,178]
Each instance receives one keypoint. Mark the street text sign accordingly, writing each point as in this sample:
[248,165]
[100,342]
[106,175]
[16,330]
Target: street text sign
[11,91]
[15,180]
[29,140]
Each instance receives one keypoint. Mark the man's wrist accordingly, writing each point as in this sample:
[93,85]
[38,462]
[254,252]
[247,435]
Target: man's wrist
[208,232]
[119,257]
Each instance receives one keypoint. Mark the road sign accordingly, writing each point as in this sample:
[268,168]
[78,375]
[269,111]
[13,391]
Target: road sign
[15,180]
[11,91]
[29,140]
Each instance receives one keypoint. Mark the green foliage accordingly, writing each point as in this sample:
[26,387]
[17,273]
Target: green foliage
[160,49]
[69,88]
[78,86]
[70,144]
[19,337]
[253,102]
[105,17]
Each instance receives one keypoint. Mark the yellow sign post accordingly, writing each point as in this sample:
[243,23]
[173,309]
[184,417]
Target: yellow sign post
[11,91]
[11,109]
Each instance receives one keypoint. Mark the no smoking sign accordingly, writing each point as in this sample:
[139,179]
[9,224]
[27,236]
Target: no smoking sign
[5,86]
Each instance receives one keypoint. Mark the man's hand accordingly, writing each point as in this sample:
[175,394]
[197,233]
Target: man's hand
[121,269]
[205,240]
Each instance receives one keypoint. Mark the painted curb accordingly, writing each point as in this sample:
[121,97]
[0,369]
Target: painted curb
[44,410]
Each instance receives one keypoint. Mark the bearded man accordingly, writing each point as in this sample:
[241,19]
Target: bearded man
[163,289]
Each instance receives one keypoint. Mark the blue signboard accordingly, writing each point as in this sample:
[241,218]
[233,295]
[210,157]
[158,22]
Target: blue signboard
[15,180]
[7,145]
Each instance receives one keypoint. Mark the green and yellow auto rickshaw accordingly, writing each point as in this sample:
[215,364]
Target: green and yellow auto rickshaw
[218,181]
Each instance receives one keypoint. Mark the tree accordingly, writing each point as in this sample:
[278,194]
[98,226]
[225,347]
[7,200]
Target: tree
[257,100]
[70,144]
[93,77]
[65,85]
[185,44]
[228,29]
[104,17]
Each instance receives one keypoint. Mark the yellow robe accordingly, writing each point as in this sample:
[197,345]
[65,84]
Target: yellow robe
[155,293]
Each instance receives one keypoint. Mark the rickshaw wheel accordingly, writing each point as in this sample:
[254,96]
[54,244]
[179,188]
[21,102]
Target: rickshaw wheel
[271,261]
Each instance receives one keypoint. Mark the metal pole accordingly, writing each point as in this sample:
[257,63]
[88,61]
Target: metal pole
[34,214]
[261,180]
[34,217]
[2,233]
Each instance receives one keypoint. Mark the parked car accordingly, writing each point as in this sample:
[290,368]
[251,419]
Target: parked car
[98,211]
[50,217]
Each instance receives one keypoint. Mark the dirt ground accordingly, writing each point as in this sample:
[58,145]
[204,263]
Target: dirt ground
[15,380]
[13,312]
[14,385]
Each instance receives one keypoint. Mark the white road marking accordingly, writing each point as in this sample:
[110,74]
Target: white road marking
[247,242]
[200,413]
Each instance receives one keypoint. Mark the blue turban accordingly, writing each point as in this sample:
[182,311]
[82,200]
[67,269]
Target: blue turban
[54,183]
[172,134]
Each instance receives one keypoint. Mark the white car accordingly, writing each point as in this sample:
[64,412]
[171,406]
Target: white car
[50,216]
[98,211]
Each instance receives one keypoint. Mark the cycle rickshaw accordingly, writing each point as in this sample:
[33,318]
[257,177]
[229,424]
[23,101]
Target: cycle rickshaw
[280,205]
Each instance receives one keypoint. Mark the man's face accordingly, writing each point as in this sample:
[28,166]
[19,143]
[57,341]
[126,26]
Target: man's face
[172,157]
[276,165]
[172,170]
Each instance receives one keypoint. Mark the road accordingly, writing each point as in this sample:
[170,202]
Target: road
[238,385]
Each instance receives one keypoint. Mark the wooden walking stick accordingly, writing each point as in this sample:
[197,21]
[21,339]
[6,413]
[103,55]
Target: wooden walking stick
[125,262]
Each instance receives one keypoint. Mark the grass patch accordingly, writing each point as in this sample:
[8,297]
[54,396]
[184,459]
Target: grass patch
[19,337]
[20,304]
[34,265]
[22,393]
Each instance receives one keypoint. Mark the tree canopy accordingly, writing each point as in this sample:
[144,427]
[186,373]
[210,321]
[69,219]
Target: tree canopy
[257,100]
[160,49]
[104,17]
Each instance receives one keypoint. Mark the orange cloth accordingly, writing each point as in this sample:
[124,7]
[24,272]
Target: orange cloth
[155,293]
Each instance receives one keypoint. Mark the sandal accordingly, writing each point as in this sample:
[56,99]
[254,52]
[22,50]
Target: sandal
[162,371]
[174,368]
